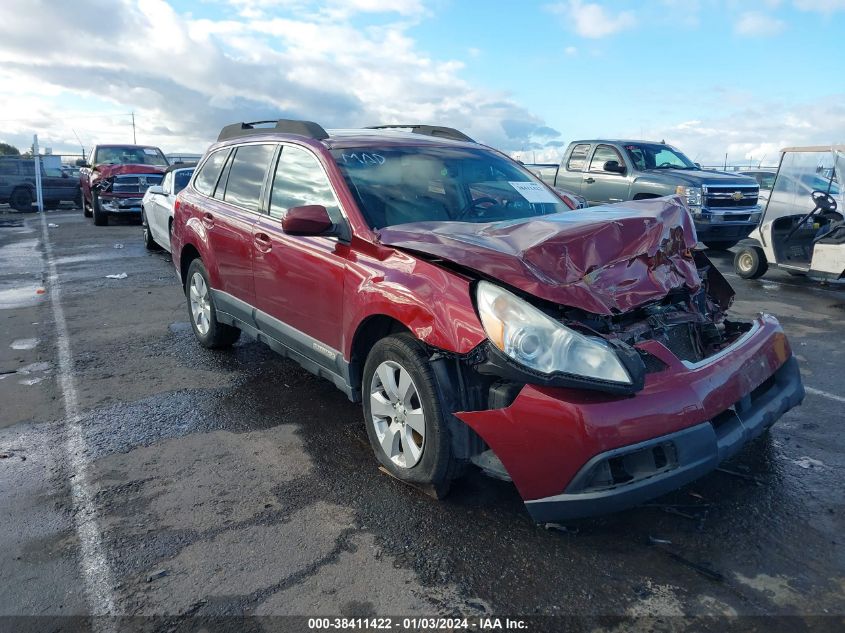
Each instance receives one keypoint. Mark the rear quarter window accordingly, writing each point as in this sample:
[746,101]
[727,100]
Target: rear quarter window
[210,172]
[578,157]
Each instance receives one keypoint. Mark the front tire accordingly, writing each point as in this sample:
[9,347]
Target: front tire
[750,262]
[720,246]
[101,218]
[403,414]
[149,242]
[202,312]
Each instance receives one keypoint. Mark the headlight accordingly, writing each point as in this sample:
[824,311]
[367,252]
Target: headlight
[538,342]
[691,194]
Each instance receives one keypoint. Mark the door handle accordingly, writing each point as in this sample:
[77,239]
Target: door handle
[207,220]
[589,180]
[262,242]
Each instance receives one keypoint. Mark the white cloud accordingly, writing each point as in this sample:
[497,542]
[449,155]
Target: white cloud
[756,24]
[758,132]
[570,50]
[593,20]
[186,78]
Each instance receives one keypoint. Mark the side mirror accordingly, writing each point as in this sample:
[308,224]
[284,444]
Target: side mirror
[614,167]
[697,165]
[156,190]
[310,219]
[81,162]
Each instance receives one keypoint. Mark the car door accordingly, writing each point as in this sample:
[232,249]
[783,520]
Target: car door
[601,186]
[228,217]
[299,279]
[158,211]
[570,175]
[54,184]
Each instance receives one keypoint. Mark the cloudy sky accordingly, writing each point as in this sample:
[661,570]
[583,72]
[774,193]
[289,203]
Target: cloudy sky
[743,77]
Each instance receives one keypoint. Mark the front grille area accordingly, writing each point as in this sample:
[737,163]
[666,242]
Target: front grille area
[726,197]
[135,183]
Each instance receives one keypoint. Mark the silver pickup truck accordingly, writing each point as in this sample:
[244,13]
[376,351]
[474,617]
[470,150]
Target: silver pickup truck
[723,205]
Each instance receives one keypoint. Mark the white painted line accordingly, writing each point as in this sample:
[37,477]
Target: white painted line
[96,573]
[824,394]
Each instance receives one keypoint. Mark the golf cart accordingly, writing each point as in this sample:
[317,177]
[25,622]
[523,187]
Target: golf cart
[801,229]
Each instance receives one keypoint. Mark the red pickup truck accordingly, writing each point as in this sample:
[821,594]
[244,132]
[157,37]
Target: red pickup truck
[587,355]
[115,180]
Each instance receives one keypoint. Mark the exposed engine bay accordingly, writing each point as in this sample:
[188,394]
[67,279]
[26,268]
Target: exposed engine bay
[692,325]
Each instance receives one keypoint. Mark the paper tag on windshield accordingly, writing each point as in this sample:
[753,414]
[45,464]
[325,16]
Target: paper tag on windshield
[151,152]
[534,192]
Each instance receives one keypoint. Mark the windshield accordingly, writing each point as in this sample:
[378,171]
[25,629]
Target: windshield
[397,185]
[657,156]
[801,173]
[130,155]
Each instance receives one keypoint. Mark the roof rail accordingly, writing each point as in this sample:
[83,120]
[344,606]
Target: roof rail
[308,129]
[429,130]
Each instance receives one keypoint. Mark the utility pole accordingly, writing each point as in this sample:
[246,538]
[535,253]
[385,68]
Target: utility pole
[134,140]
[39,198]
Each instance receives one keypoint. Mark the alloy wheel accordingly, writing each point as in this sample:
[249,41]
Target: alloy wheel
[200,303]
[397,414]
[745,262]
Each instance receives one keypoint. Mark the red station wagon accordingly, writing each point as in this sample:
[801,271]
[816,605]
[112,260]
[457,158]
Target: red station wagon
[586,355]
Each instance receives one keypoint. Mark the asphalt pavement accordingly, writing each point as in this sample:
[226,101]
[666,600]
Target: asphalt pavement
[145,476]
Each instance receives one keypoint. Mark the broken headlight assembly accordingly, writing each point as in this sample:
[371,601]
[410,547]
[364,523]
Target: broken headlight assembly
[547,348]
[103,184]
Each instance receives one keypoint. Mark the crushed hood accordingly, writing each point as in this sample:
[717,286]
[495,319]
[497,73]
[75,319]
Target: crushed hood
[604,260]
[107,170]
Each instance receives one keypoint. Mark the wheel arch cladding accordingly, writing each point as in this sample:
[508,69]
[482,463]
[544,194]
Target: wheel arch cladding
[369,332]
[189,254]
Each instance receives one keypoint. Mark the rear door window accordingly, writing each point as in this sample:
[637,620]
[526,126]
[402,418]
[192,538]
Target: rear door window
[578,157]
[210,171]
[246,175]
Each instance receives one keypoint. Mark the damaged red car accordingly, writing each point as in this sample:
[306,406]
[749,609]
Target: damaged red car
[588,355]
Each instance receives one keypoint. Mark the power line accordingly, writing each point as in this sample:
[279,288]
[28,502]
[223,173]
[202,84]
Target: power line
[73,118]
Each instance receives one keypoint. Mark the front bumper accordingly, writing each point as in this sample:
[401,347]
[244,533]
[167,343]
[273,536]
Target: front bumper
[115,205]
[716,226]
[696,451]
[564,448]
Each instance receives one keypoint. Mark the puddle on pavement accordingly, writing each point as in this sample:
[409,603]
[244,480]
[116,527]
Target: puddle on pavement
[24,343]
[21,297]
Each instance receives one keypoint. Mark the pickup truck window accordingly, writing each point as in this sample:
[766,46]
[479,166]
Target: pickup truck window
[578,157]
[603,154]
[647,156]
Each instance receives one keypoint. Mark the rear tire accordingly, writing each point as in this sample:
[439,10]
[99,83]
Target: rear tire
[202,311]
[394,419]
[21,200]
[149,242]
[750,262]
[720,246]
[101,218]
